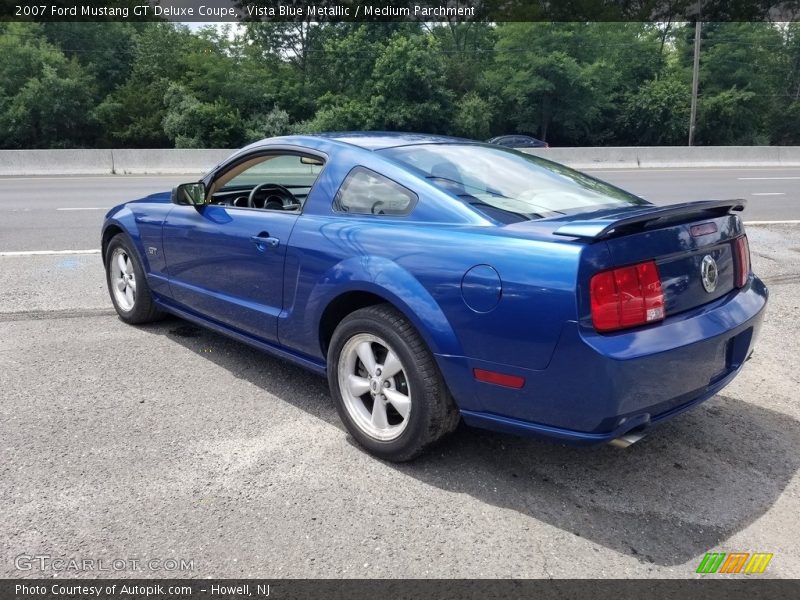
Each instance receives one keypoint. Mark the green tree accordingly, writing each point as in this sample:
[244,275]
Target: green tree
[218,65]
[784,122]
[338,113]
[409,87]
[658,113]
[473,117]
[291,46]
[133,114]
[567,82]
[190,123]
[468,51]
[405,89]
[106,50]
[345,63]
[264,125]
[45,98]
[742,69]
[162,84]
[547,91]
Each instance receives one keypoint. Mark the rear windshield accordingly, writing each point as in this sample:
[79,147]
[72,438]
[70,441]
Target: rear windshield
[509,185]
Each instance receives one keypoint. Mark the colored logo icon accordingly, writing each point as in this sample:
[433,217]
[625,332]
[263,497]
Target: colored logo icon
[734,562]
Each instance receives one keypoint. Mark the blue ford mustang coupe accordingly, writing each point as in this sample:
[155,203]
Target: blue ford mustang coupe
[433,279]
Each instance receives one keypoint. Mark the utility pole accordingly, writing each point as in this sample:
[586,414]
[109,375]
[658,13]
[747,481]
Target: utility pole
[695,81]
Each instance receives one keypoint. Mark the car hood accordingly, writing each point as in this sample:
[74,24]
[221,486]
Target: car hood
[158,197]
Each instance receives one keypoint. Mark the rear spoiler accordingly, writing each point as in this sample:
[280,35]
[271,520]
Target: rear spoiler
[621,223]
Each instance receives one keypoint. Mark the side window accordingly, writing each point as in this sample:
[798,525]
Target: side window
[271,181]
[288,170]
[366,192]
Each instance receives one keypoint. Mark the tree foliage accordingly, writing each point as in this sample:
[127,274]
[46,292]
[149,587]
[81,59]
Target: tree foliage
[158,84]
[42,92]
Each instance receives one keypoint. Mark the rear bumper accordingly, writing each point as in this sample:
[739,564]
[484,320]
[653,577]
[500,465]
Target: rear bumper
[599,387]
[638,422]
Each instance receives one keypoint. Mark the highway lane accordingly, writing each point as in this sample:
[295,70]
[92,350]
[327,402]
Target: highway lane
[772,193]
[65,213]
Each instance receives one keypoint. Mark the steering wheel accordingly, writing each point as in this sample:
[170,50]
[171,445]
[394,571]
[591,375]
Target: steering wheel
[284,194]
[375,206]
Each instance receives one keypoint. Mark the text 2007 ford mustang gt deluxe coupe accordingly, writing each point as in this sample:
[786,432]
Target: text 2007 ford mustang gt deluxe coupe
[434,279]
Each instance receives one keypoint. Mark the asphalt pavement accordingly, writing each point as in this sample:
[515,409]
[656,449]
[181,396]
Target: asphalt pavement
[171,442]
[771,193]
[65,213]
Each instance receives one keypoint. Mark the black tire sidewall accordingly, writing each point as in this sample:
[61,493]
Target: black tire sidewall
[141,305]
[415,435]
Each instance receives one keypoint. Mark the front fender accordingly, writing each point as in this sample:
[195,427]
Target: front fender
[122,218]
[142,222]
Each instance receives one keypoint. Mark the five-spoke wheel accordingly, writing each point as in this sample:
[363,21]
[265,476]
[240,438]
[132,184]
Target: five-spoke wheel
[374,386]
[387,387]
[123,279]
[127,284]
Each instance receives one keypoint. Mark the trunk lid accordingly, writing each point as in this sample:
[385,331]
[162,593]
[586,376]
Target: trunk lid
[680,238]
[679,256]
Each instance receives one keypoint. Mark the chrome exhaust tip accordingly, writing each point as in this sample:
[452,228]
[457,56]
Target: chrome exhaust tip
[626,440]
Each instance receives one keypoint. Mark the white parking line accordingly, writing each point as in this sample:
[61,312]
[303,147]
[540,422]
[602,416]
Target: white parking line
[709,169]
[768,194]
[789,222]
[86,208]
[117,177]
[763,178]
[48,252]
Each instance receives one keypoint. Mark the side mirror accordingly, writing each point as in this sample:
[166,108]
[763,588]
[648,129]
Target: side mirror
[193,194]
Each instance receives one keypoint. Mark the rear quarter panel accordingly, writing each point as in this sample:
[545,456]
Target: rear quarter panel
[421,268]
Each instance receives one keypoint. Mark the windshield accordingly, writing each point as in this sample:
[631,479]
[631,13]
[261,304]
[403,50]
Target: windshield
[507,184]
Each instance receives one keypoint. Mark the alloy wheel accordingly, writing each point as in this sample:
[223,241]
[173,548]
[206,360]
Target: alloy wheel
[374,387]
[123,279]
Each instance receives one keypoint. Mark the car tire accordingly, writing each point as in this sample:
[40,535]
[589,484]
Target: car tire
[127,283]
[387,387]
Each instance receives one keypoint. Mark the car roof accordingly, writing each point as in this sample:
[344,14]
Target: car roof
[378,140]
[368,140]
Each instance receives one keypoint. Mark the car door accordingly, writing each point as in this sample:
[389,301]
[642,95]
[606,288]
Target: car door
[225,260]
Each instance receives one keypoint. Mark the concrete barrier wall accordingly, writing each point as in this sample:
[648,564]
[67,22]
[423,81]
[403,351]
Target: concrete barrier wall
[167,161]
[108,162]
[673,156]
[173,161]
[55,162]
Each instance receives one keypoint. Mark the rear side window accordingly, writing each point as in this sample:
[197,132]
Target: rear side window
[365,192]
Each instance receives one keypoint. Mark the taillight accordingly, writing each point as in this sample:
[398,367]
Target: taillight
[627,297]
[742,261]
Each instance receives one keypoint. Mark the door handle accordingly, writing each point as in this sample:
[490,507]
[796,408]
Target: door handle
[264,239]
